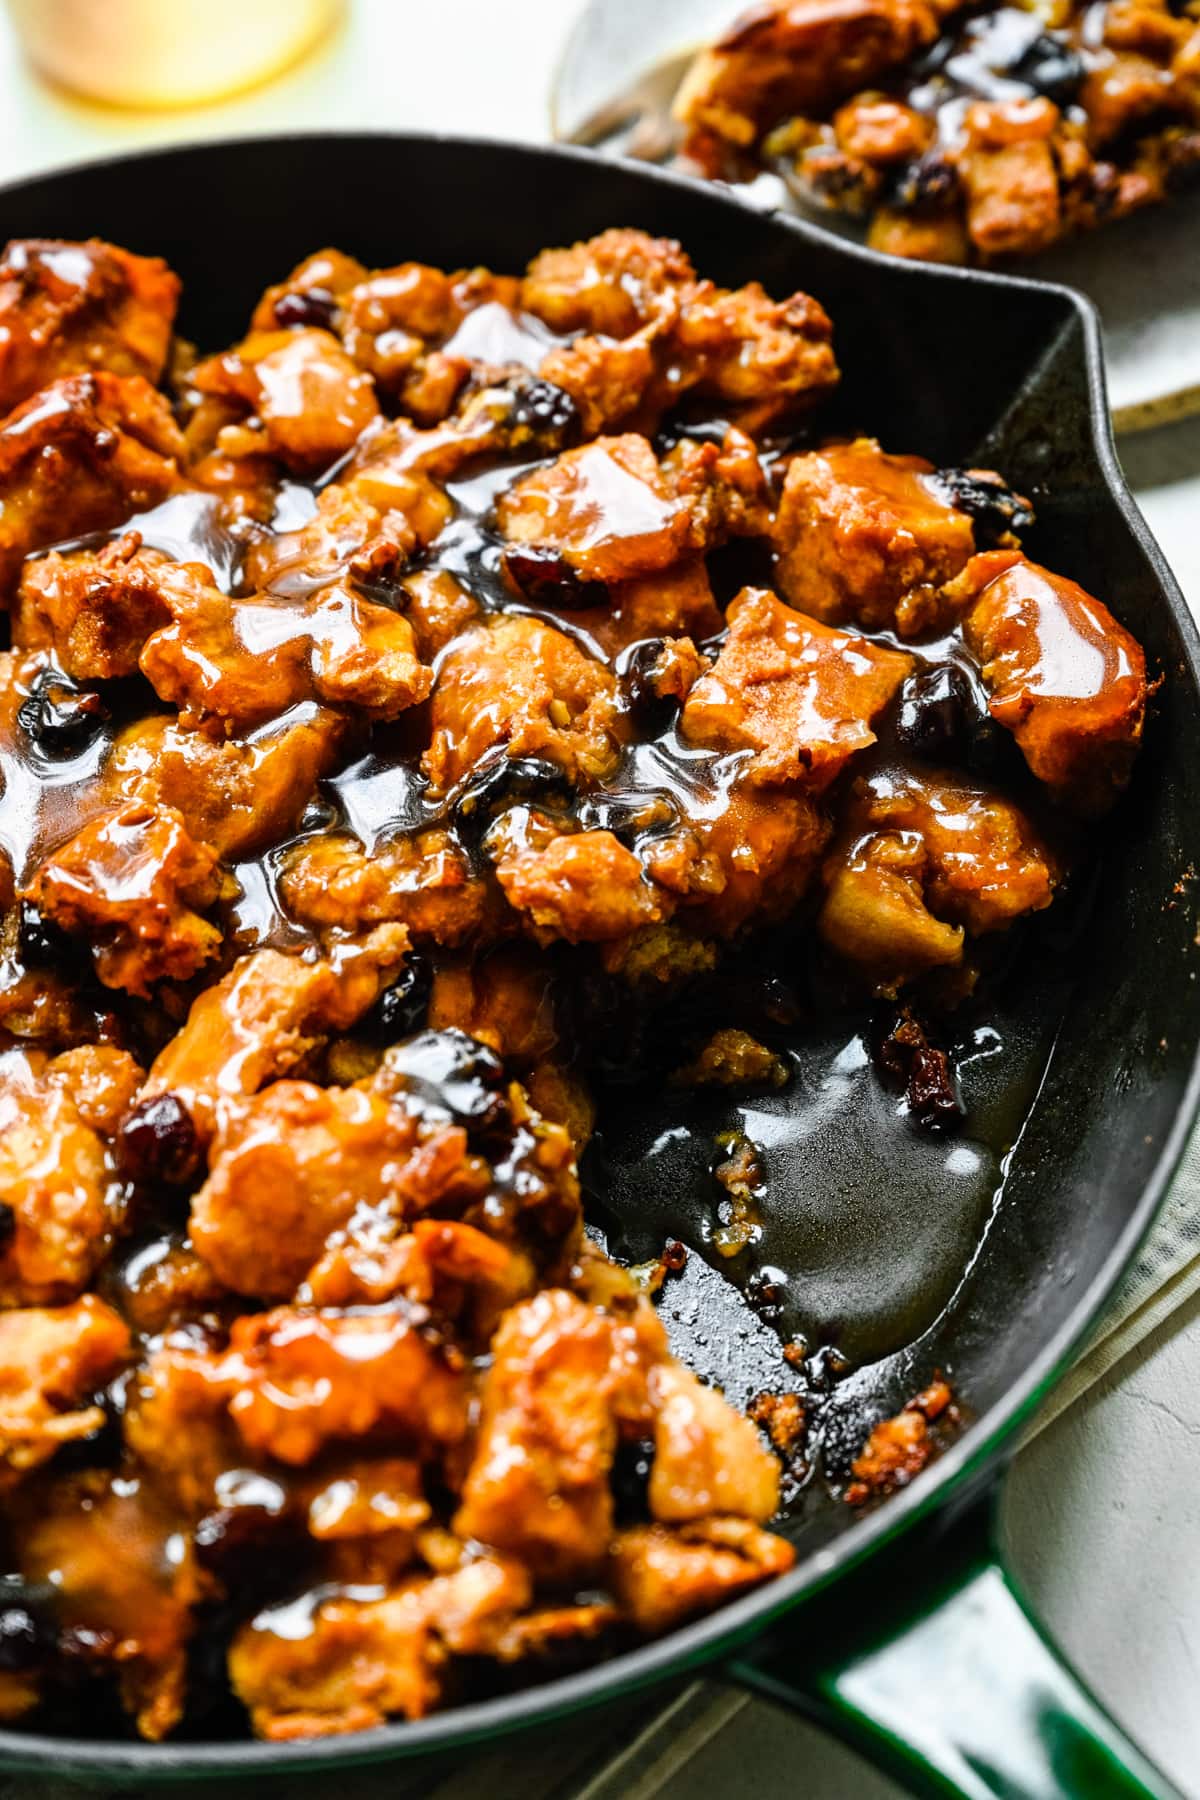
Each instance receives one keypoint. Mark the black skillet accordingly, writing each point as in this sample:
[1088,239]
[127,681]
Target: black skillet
[989,1255]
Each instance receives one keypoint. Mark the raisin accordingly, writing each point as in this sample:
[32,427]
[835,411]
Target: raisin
[508,781]
[401,1009]
[544,576]
[60,719]
[928,185]
[157,1142]
[308,306]
[452,1074]
[1049,67]
[631,1470]
[842,183]
[935,706]
[903,1056]
[8,1225]
[41,943]
[995,510]
[766,1292]
[654,712]
[543,412]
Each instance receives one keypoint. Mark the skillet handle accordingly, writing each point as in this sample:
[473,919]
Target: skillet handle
[954,1690]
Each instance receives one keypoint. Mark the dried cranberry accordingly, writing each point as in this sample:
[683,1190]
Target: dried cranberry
[935,703]
[674,1256]
[930,1091]
[653,711]
[401,1009]
[995,510]
[60,719]
[157,1142]
[306,306]
[544,576]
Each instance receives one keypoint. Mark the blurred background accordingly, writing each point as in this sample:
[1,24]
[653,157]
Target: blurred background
[157,71]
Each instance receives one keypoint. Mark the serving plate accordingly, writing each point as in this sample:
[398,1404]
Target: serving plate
[1142,275]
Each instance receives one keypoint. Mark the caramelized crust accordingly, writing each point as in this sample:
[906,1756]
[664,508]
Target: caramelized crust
[80,456]
[1066,679]
[68,309]
[866,539]
[799,696]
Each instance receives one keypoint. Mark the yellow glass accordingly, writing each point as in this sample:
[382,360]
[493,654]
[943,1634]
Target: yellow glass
[166,53]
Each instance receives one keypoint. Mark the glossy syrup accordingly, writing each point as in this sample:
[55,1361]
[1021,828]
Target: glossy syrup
[866,1223]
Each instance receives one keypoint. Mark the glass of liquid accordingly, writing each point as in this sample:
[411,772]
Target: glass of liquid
[166,53]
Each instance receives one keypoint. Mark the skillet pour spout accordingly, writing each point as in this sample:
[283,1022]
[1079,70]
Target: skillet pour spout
[942,1676]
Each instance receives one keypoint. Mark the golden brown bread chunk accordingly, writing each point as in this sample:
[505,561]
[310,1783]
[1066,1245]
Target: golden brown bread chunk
[52,1360]
[69,309]
[58,1176]
[365,1660]
[652,333]
[662,1575]
[262,1019]
[1011,177]
[305,1378]
[1066,679]
[867,539]
[94,609]
[237,795]
[604,509]
[134,883]
[800,696]
[798,56]
[585,888]
[124,1581]
[538,1483]
[291,1164]
[310,400]
[707,1458]
[244,661]
[82,455]
[922,862]
[519,685]
[424,882]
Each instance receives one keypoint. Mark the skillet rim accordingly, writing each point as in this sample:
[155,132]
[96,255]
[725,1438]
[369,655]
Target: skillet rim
[987,1445]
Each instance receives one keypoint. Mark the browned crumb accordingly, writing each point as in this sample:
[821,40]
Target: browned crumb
[900,1447]
[783,1418]
[741,1175]
[732,1058]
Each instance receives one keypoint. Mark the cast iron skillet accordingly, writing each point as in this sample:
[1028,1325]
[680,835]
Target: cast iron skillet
[902,1631]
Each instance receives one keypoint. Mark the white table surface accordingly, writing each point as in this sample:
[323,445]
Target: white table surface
[1103,1508]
